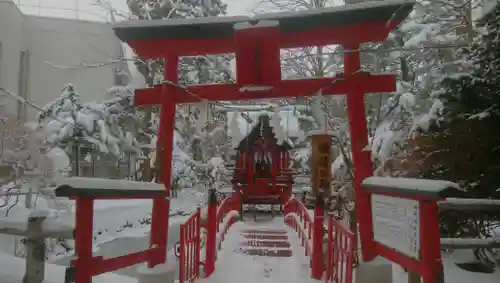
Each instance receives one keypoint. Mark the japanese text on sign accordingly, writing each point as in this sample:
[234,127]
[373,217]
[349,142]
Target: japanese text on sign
[396,224]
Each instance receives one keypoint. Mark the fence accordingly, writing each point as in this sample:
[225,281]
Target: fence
[189,255]
[84,191]
[341,251]
[217,221]
[410,206]
[35,237]
[297,217]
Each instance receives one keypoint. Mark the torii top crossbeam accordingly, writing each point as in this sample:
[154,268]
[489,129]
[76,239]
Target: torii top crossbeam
[257,41]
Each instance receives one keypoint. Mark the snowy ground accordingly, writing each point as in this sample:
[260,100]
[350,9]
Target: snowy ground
[234,266]
[12,271]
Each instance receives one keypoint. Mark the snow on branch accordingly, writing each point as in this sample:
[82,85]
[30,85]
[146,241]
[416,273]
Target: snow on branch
[101,124]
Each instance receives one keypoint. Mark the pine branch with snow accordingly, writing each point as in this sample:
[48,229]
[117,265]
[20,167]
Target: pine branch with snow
[101,124]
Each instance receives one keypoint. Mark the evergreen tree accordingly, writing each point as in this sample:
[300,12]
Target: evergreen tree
[464,148]
[471,131]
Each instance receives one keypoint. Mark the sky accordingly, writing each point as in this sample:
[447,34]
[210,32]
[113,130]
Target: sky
[88,11]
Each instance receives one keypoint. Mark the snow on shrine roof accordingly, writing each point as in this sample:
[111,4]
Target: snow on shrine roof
[262,120]
[222,27]
[289,122]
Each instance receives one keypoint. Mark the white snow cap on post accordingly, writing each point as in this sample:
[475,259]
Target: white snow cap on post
[277,128]
[410,183]
[430,189]
[234,130]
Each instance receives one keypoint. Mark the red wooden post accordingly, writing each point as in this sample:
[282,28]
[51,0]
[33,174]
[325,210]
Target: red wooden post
[197,247]
[317,248]
[246,65]
[251,168]
[274,169]
[359,140]
[281,160]
[430,244]
[239,160]
[211,240]
[84,265]
[269,47]
[161,206]
[182,254]
[244,160]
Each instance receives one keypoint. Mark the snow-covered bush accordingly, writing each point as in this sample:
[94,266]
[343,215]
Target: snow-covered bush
[107,125]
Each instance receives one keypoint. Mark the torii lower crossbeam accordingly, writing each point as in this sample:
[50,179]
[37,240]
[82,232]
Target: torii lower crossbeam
[362,81]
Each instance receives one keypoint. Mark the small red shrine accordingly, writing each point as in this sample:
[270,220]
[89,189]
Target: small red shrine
[261,174]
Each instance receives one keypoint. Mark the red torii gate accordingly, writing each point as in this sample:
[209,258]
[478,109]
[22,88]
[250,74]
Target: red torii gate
[257,42]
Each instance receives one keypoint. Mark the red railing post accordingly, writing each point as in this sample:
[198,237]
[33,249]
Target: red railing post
[182,254]
[197,245]
[317,248]
[84,265]
[236,200]
[432,271]
[159,230]
[211,245]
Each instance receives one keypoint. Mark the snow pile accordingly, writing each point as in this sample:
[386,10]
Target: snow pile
[16,219]
[13,268]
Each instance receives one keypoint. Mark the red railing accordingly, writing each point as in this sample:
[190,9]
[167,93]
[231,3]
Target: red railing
[217,224]
[223,219]
[340,252]
[340,255]
[85,191]
[189,254]
[297,217]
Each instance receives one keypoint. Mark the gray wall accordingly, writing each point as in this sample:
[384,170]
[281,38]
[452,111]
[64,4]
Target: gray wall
[11,33]
[61,42]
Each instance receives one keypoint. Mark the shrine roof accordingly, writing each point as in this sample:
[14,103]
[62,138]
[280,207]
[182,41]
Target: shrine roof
[262,125]
[222,27]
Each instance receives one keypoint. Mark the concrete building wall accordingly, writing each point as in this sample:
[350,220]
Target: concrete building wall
[68,43]
[11,41]
[58,50]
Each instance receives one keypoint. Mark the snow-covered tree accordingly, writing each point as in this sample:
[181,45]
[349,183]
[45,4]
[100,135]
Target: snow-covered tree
[105,125]
[462,149]
[198,69]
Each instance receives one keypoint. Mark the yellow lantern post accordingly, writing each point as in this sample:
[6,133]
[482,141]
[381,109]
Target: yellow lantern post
[321,178]
[321,163]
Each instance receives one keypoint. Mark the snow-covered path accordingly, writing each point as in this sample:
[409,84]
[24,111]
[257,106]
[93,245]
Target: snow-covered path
[261,252]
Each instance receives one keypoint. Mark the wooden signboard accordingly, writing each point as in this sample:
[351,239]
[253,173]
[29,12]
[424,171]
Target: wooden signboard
[321,165]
